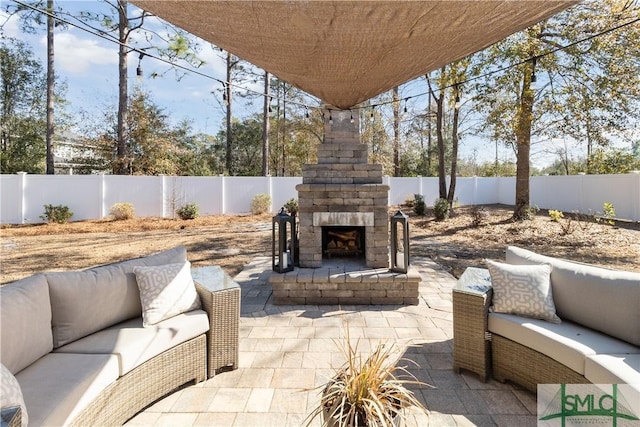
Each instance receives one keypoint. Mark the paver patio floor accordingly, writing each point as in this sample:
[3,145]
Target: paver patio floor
[287,351]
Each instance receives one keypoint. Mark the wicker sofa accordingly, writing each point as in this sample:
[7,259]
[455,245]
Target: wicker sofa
[595,340]
[83,351]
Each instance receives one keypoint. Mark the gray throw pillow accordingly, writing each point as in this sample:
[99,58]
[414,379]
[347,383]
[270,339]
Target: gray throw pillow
[524,290]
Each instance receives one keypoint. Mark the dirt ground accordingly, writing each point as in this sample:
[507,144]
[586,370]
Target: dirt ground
[231,241]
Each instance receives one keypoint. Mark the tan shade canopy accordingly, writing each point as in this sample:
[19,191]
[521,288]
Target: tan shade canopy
[345,52]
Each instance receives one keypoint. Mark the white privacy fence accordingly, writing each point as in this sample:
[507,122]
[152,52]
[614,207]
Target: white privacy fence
[23,196]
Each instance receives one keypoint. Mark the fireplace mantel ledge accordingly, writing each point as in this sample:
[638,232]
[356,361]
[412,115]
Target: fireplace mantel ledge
[353,219]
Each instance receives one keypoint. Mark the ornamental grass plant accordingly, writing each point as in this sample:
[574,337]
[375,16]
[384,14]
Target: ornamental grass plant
[367,390]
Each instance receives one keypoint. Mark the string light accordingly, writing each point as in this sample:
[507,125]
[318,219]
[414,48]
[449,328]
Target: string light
[457,101]
[139,69]
[352,119]
[330,118]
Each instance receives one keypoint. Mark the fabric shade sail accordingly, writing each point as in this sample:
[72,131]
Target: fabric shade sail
[345,52]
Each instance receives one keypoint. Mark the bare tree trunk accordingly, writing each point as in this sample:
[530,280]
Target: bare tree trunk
[121,165]
[442,176]
[228,157]
[396,132]
[284,126]
[265,125]
[454,151]
[523,140]
[429,117]
[50,167]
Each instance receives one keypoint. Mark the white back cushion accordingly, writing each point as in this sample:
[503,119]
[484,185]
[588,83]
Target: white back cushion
[84,302]
[601,299]
[25,322]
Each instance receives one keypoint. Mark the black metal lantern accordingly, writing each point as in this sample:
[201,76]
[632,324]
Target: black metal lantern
[400,242]
[283,242]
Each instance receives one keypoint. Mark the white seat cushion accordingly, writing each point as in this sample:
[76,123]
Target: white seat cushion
[58,386]
[134,344]
[566,342]
[622,369]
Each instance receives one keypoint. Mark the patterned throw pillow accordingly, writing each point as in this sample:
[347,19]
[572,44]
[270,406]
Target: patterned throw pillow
[11,394]
[524,290]
[165,291]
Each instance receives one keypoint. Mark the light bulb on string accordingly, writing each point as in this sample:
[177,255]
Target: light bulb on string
[352,119]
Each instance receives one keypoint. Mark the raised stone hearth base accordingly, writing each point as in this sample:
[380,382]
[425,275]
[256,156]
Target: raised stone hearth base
[345,285]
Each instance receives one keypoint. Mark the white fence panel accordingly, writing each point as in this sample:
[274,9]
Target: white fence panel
[240,190]
[144,192]
[402,188]
[11,196]
[283,189]
[80,195]
[506,190]
[22,196]
[615,189]
[205,191]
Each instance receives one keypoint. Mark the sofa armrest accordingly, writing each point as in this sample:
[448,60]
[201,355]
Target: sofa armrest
[223,309]
[11,417]
[471,299]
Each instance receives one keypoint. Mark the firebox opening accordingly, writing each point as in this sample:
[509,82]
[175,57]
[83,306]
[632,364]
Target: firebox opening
[343,241]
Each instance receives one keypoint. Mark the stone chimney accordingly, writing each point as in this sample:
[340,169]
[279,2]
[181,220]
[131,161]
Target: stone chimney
[343,190]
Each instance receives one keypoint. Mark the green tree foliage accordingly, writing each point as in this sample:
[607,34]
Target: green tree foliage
[153,145]
[614,160]
[22,115]
[588,91]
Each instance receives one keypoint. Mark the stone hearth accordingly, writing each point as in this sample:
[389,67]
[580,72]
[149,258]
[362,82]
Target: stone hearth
[343,194]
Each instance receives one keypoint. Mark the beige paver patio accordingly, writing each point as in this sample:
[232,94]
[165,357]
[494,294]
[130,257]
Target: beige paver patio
[286,351]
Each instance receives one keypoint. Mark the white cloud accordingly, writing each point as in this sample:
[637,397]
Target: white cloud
[76,55]
[10,27]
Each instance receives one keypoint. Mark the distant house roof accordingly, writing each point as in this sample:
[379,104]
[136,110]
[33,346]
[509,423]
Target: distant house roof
[345,52]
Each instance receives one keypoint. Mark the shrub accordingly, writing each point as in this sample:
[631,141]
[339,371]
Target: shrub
[260,204]
[120,211]
[419,206]
[478,215]
[555,215]
[608,214]
[188,211]
[409,200]
[441,209]
[291,206]
[59,214]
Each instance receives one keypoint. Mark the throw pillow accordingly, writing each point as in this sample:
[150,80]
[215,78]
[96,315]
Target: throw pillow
[524,290]
[11,394]
[165,291]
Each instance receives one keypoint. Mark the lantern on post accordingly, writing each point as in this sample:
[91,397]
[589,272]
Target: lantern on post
[399,242]
[282,242]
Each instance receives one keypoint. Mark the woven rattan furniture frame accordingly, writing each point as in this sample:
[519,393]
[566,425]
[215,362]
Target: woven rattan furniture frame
[470,300]
[488,354]
[182,364]
[527,367]
[11,417]
[220,297]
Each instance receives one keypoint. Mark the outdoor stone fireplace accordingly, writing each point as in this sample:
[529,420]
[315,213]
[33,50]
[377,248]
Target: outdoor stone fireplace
[343,190]
[343,222]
